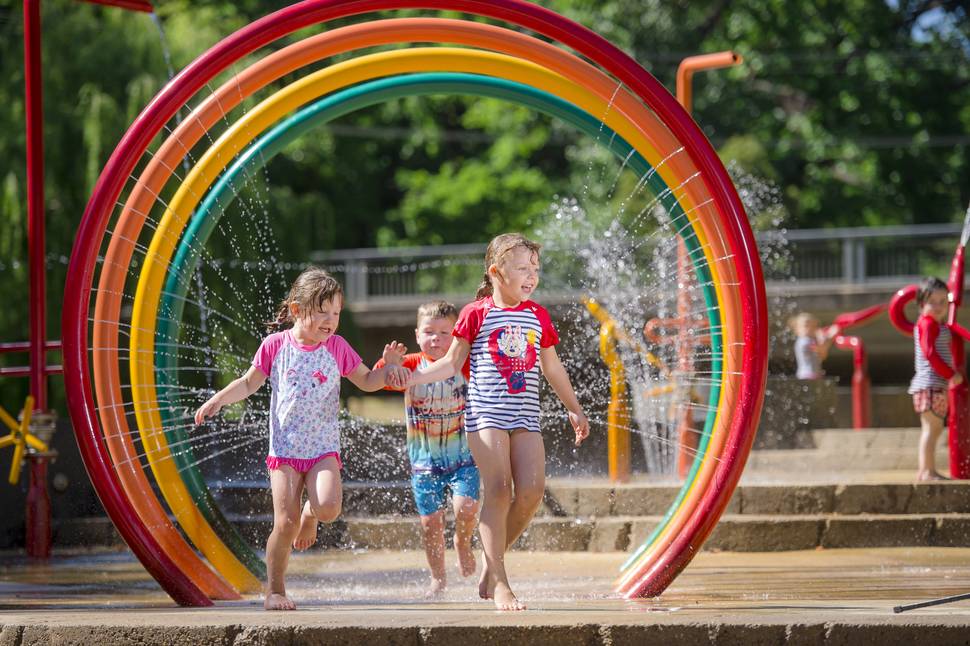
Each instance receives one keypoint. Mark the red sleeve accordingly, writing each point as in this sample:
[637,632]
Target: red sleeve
[550,336]
[960,331]
[410,361]
[470,321]
[929,331]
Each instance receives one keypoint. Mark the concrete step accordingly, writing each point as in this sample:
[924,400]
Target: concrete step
[734,532]
[841,451]
[599,498]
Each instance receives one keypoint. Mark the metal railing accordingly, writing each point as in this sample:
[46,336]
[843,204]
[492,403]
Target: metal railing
[853,255]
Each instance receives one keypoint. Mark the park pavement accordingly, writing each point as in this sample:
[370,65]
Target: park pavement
[839,596]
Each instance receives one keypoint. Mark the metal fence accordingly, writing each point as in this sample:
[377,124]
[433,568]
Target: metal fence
[817,256]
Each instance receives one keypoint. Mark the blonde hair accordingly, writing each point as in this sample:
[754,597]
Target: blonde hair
[437,310]
[801,319]
[311,289]
[498,248]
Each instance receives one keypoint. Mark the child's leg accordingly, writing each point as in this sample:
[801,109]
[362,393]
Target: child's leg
[466,513]
[324,500]
[528,458]
[490,448]
[932,429]
[287,487]
[433,535]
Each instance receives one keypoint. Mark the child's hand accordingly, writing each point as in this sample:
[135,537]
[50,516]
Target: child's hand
[394,353]
[397,377]
[956,380]
[580,426]
[208,409]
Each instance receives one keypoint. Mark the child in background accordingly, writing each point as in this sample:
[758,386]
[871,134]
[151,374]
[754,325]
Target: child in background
[934,370]
[507,338]
[438,447]
[304,362]
[811,346]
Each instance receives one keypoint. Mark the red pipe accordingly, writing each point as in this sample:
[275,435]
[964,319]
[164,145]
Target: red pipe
[958,421]
[24,346]
[860,380]
[33,91]
[26,371]
[897,309]
[134,5]
[38,514]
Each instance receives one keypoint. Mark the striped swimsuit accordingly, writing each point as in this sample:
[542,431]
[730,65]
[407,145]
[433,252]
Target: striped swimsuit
[934,364]
[503,392]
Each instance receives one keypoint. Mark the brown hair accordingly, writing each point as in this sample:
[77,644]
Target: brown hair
[437,310]
[498,248]
[927,286]
[311,289]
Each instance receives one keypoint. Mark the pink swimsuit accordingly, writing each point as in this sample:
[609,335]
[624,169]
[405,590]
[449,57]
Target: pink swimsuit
[303,426]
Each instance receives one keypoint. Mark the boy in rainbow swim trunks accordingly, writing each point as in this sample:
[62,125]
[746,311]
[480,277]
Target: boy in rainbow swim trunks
[438,447]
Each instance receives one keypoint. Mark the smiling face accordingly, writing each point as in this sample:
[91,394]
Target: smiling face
[434,335]
[516,276]
[317,326]
[936,305]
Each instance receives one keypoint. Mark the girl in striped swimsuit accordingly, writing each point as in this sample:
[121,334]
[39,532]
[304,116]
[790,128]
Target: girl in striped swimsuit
[934,370]
[506,337]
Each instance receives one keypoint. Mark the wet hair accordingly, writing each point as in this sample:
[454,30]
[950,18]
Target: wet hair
[311,289]
[498,248]
[927,286]
[437,310]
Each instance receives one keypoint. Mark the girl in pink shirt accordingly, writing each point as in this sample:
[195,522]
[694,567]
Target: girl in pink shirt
[506,337]
[304,361]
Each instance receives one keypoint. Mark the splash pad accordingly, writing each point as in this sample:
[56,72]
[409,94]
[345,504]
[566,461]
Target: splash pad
[668,149]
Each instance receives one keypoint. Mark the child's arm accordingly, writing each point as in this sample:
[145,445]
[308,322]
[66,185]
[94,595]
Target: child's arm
[237,391]
[445,367]
[823,342]
[556,375]
[370,380]
[960,330]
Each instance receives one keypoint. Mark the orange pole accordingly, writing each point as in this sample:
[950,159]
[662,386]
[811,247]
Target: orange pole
[691,64]
[689,437]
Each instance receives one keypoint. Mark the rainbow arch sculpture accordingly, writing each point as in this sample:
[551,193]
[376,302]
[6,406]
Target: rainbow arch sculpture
[204,559]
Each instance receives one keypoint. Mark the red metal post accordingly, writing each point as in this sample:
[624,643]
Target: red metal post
[958,420]
[861,403]
[35,203]
[38,514]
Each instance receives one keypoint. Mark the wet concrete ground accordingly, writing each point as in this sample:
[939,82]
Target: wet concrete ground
[825,596]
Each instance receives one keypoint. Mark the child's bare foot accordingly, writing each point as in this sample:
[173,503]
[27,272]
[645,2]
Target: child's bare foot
[929,476]
[277,601]
[308,531]
[435,589]
[505,600]
[486,586]
[466,558]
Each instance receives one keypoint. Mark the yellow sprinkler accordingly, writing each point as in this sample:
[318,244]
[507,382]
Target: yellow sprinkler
[618,413]
[20,437]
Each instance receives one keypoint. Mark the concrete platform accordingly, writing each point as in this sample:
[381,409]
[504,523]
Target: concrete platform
[812,597]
